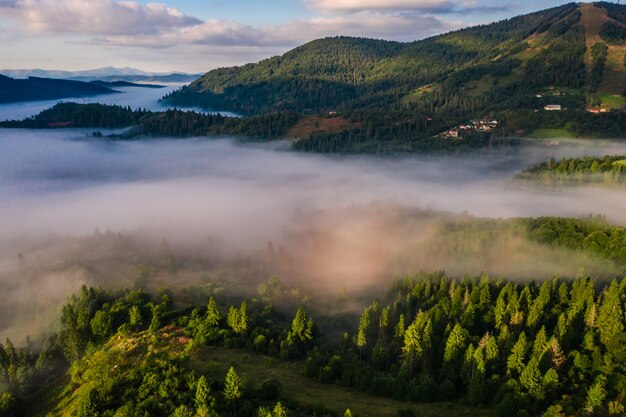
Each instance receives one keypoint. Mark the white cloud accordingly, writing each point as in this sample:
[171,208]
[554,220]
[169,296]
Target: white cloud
[431,5]
[397,26]
[96,17]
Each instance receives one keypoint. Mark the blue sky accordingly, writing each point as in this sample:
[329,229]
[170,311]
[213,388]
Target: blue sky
[198,35]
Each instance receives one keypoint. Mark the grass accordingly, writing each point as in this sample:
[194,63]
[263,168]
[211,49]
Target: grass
[479,88]
[614,77]
[551,134]
[612,101]
[255,368]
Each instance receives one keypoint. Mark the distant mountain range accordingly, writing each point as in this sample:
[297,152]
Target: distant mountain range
[35,88]
[103,74]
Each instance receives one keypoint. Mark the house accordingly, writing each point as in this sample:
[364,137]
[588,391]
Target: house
[553,107]
[453,133]
[596,110]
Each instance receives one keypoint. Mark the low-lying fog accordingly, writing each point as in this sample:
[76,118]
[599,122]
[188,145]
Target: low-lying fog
[62,184]
[135,97]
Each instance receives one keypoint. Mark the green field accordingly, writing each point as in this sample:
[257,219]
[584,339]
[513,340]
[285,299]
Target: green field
[256,368]
[611,101]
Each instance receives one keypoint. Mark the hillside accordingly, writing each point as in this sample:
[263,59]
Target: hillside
[572,55]
[33,88]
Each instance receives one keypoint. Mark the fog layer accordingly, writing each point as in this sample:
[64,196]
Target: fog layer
[335,222]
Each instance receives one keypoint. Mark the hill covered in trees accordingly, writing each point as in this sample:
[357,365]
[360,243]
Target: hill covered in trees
[572,56]
[522,349]
[34,88]
[430,344]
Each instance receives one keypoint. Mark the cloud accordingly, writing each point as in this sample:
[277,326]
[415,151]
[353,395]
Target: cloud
[433,6]
[154,25]
[375,24]
[96,17]
[9,4]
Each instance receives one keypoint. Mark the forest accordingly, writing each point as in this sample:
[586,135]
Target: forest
[403,94]
[472,344]
[610,169]
[371,130]
[399,97]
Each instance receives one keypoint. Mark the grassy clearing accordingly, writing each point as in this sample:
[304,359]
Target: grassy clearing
[551,134]
[610,101]
[614,77]
[255,368]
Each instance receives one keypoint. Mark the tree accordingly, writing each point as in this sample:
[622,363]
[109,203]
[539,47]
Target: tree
[417,340]
[205,403]
[182,411]
[203,392]
[232,385]
[301,327]
[455,343]
[135,317]
[237,318]
[595,396]
[610,315]
[213,317]
[279,410]
[101,324]
[361,336]
[157,318]
[515,361]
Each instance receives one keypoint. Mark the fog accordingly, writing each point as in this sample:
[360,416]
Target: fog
[336,223]
[135,97]
[63,182]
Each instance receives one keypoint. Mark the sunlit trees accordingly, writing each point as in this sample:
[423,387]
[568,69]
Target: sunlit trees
[232,385]
[237,318]
[417,341]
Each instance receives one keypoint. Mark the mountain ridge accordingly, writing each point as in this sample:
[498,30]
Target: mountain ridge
[35,88]
[467,73]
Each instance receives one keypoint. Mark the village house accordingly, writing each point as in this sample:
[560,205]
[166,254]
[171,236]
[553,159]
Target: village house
[553,107]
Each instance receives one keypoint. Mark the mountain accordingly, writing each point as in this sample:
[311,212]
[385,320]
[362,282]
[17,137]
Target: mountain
[103,74]
[114,84]
[572,55]
[34,88]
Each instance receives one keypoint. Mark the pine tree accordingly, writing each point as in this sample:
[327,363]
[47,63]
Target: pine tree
[203,393]
[301,327]
[610,315]
[279,410]
[558,357]
[399,330]
[455,343]
[232,385]
[595,396]
[237,318]
[361,337]
[135,318]
[515,361]
[417,340]
[212,318]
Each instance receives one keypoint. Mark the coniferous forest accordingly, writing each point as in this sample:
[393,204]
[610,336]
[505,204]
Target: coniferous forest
[447,272]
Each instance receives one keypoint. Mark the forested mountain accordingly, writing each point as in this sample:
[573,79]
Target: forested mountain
[572,56]
[33,88]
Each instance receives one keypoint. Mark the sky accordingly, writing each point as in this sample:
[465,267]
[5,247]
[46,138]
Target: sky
[199,35]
